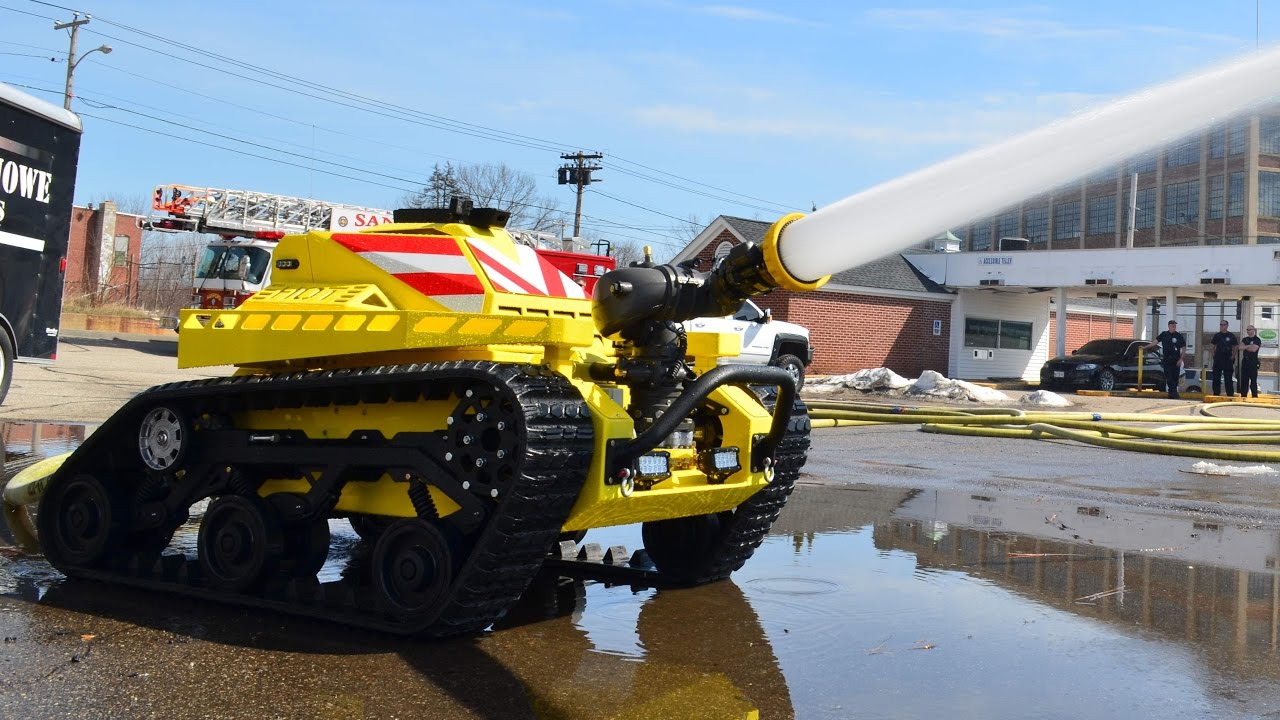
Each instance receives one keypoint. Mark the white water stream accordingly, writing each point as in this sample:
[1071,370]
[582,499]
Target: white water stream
[895,215]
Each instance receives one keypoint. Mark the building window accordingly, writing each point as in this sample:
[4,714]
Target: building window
[1268,312]
[1268,194]
[1007,225]
[981,333]
[1218,142]
[1036,222]
[1269,134]
[980,236]
[1143,163]
[1015,335]
[1066,220]
[1235,195]
[722,250]
[1235,240]
[1268,240]
[1186,152]
[1237,137]
[1104,175]
[1145,218]
[120,251]
[1102,215]
[1182,203]
[1002,334]
[1217,193]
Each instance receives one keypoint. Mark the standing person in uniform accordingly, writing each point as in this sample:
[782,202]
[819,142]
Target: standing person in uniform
[1172,345]
[1250,344]
[1224,344]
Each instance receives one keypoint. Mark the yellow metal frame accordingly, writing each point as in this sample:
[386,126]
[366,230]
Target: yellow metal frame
[334,308]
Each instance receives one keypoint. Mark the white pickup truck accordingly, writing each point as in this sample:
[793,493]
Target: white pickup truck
[765,341]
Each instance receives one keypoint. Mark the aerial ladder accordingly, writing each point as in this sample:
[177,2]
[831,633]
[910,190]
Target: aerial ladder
[245,213]
[238,263]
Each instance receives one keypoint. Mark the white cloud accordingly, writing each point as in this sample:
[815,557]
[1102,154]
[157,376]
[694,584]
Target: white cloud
[951,123]
[983,22]
[1010,26]
[737,12]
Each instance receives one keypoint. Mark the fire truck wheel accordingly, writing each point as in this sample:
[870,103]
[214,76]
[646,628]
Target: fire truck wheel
[6,364]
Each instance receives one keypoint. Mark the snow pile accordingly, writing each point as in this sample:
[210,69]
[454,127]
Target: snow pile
[1208,468]
[930,383]
[865,380]
[935,384]
[1044,398]
[877,378]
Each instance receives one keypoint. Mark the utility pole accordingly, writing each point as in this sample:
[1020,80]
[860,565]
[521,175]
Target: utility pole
[578,173]
[72,61]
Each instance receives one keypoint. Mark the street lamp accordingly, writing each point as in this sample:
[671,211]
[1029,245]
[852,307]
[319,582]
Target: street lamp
[72,60]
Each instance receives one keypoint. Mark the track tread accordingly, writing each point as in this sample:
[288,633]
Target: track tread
[508,551]
[751,520]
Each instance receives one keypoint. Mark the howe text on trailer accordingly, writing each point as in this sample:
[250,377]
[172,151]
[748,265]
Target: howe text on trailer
[39,149]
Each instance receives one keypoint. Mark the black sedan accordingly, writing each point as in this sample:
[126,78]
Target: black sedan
[1104,365]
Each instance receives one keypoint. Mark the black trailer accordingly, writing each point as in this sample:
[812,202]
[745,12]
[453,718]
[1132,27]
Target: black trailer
[39,149]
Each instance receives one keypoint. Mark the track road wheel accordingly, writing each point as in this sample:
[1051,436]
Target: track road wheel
[240,542]
[682,548]
[162,439]
[412,568]
[306,547]
[1106,379]
[80,521]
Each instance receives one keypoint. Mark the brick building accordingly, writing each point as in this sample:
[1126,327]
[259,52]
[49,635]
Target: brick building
[103,255]
[1219,186]
[882,314]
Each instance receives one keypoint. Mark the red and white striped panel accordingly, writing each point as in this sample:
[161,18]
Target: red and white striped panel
[528,274]
[433,265]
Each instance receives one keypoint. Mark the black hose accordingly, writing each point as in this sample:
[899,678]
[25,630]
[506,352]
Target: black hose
[697,392]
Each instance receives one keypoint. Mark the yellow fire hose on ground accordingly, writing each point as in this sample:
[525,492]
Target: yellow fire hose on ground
[1184,436]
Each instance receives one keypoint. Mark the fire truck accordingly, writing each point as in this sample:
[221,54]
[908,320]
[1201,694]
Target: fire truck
[238,263]
[39,151]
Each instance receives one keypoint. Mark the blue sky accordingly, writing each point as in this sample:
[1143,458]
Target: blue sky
[747,109]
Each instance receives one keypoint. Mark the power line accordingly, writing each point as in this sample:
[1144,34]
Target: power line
[201,120]
[433,120]
[530,206]
[641,207]
[24,12]
[777,206]
[274,116]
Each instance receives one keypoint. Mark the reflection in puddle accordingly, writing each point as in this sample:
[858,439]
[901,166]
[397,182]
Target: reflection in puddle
[872,602]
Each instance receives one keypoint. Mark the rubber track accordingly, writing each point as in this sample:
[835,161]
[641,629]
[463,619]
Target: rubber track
[510,548]
[752,519]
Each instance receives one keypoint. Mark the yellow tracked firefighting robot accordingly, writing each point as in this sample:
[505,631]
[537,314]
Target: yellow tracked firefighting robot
[463,403]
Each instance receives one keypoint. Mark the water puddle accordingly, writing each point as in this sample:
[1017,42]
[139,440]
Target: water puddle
[865,601]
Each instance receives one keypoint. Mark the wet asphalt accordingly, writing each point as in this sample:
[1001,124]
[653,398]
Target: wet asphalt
[911,576]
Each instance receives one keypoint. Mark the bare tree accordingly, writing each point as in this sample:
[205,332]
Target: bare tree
[626,252]
[689,229]
[439,190]
[491,185]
